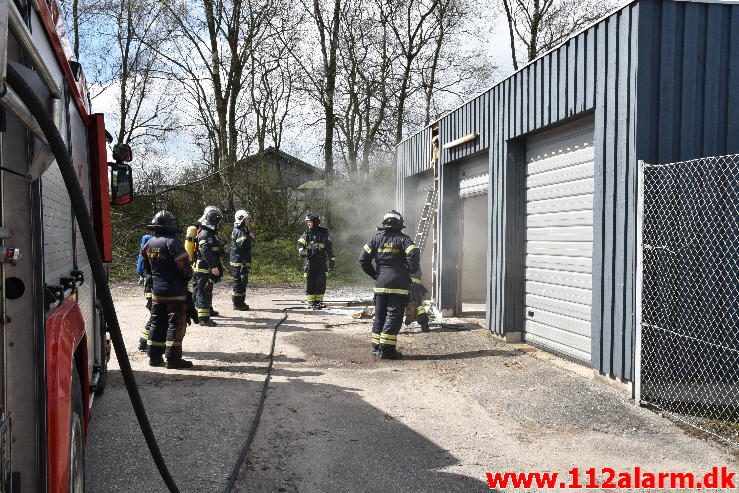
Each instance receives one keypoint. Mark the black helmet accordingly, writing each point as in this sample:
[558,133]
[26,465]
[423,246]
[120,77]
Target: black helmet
[392,220]
[311,216]
[163,222]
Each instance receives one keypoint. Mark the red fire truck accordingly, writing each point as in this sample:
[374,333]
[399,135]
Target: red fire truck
[54,349]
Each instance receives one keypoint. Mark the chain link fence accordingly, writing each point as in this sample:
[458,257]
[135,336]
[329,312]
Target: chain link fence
[688,340]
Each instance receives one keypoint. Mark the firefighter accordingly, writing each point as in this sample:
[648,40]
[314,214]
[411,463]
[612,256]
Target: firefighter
[396,257]
[167,262]
[317,248]
[146,281]
[242,240]
[415,311]
[208,267]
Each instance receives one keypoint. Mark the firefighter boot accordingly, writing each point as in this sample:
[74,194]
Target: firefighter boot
[178,364]
[389,352]
[238,303]
[213,312]
[423,321]
[207,322]
[156,361]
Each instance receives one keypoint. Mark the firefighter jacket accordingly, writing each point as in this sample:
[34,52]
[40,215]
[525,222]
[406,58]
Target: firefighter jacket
[241,242]
[316,246]
[395,256]
[208,252]
[166,261]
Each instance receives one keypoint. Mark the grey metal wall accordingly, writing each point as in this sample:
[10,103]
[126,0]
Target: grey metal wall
[688,102]
[413,156]
[662,81]
[472,117]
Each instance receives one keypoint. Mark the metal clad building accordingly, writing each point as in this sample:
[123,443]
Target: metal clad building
[657,80]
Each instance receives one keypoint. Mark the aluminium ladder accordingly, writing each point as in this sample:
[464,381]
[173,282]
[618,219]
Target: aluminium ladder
[427,219]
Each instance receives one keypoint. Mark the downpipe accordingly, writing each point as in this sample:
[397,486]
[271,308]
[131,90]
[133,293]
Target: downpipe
[48,128]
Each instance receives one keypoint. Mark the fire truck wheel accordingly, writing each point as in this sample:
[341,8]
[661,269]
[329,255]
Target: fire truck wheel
[76,438]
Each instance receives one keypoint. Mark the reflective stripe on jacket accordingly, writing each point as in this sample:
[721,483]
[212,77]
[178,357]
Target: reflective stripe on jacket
[209,251]
[316,245]
[395,256]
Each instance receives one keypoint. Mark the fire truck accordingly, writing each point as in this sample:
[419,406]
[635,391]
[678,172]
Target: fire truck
[55,350]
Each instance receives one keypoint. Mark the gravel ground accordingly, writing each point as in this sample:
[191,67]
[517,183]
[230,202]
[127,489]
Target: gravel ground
[336,419]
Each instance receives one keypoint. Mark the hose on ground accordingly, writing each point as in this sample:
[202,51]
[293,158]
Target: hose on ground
[76,196]
[257,417]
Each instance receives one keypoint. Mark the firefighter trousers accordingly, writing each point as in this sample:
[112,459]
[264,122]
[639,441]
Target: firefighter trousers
[203,295]
[389,311]
[168,324]
[315,280]
[241,281]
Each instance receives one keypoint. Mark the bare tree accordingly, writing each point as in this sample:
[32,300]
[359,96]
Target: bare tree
[413,24]
[539,25]
[209,55]
[145,109]
[326,21]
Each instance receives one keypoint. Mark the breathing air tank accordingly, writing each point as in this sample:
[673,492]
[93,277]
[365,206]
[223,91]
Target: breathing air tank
[190,237]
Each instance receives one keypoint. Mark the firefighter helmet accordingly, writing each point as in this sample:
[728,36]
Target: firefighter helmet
[240,216]
[393,220]
[163,222]
[211,218]
[312,216]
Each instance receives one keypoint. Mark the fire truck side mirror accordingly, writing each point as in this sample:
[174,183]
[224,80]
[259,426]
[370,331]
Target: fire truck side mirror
[121,184]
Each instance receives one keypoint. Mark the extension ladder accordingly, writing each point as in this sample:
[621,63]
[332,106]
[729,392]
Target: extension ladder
[427,219]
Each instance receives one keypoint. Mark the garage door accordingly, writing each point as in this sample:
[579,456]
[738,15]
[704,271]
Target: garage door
[559,239]
[474,185]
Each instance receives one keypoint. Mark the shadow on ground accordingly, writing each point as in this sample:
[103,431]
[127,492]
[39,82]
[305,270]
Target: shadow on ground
[314,437]
[319,437]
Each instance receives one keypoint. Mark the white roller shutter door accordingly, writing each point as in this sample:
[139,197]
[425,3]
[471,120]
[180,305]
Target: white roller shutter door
[559,239]
[474,185]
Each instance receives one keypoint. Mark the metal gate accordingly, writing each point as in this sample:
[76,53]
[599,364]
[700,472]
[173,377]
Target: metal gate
[687,341]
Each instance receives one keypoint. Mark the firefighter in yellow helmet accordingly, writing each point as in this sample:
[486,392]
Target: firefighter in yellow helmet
[396,257]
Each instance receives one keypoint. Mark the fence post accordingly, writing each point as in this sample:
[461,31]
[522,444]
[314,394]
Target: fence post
[639,281]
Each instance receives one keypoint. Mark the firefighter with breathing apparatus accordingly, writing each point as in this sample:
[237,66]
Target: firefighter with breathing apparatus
[242,240]
[316,247]
[167,262]
[208,266]
[396,257]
